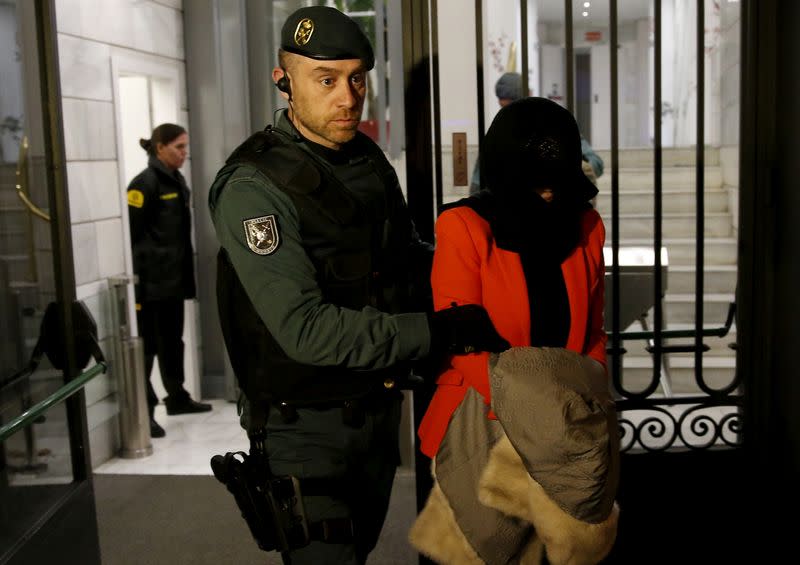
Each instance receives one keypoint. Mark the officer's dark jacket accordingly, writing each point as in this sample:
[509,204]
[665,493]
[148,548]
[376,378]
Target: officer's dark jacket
[160,222]
[354,227]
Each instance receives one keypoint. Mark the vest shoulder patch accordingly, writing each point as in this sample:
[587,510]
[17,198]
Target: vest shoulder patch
[262,234]
[135,198]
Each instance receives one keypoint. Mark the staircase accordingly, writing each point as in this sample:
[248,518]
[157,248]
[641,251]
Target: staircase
[636,186]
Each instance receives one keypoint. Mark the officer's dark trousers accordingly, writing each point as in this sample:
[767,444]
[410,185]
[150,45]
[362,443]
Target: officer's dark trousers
[362,461]
[161,328]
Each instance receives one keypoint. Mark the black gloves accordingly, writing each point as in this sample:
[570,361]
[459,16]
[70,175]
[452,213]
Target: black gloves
[464,329]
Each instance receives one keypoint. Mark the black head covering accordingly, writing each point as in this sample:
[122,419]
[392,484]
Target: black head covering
[537,140]
[535,143]
[325,33]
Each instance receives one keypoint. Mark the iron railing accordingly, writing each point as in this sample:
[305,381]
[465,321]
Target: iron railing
[647,422]
[58,396]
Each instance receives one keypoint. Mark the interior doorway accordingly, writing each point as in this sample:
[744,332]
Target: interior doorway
[147,94]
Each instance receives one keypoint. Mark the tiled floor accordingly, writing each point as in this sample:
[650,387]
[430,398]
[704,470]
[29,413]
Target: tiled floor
[191,441]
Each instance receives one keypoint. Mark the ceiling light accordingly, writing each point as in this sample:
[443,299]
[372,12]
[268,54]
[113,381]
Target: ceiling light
[586,14]
[587,4]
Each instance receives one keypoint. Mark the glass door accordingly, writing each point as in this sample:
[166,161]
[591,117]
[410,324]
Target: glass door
[43,463]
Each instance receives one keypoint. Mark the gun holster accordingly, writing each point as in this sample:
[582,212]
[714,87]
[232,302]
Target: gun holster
[272,506]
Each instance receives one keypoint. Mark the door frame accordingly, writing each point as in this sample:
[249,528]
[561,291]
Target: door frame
[69,527]
[125,62]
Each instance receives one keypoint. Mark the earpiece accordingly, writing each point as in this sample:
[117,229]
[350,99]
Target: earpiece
[283,85]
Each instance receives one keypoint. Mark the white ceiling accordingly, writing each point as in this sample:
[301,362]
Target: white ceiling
[553,10]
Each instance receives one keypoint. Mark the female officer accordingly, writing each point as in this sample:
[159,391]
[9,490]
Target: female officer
[160,222]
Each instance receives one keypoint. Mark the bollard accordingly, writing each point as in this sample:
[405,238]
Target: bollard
[134,417]
[134,420]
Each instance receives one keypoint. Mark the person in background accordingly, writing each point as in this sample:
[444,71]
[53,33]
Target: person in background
[508,89]
[317,246]
[160,223]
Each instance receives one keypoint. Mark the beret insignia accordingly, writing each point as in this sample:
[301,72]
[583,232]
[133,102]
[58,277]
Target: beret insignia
[303,32]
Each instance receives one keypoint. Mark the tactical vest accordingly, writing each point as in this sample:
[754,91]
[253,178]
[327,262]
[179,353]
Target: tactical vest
[346,239]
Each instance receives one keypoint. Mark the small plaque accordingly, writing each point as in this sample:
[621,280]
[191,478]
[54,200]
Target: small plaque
[460,169]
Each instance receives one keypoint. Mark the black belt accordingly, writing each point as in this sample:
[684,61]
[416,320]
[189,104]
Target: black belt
[353,410]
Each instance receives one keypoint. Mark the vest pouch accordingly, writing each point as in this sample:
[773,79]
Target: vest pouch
[348,280]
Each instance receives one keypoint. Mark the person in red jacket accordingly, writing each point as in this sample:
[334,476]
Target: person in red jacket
[528,248]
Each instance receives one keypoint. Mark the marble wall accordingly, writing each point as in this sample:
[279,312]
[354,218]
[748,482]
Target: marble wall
[90,34]
[731,72]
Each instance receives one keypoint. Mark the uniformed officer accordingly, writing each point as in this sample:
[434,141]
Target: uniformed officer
[313,289]
[160,222]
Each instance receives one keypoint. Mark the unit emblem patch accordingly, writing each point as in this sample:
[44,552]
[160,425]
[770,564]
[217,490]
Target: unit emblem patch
[262,234]
[135,198]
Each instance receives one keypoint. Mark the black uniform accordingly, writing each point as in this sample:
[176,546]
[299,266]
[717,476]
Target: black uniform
[160,222]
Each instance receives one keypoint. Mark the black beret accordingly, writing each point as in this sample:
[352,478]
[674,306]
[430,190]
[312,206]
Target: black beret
[325,33]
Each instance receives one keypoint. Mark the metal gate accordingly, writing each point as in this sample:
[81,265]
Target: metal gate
[678,393]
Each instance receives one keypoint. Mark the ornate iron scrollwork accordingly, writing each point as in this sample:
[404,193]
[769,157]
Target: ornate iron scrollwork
[655,427]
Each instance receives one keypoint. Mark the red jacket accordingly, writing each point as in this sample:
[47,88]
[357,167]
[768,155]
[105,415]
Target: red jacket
[469,268]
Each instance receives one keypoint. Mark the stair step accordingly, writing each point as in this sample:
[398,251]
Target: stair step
[680,307]
[14,219]
[718,346]
[681,251]
[670,157]
[673,201]
[718,372]
[643,178]
[12,240]
[717,279]
[18,266]
[638,226]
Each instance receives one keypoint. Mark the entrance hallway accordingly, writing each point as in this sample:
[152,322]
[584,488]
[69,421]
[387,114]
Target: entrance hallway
[168,508]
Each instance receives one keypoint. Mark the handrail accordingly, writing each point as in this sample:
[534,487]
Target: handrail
[30,368]
[17,377]
[666,334]
[60,395]
[22,181]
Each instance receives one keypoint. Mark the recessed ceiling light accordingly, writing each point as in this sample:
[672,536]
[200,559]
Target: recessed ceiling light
[587,4]
[586,14]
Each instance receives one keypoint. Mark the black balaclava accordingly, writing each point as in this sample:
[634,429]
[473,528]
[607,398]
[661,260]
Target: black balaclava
[535,143]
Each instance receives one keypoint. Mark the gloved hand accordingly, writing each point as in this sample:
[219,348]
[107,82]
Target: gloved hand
[464,329]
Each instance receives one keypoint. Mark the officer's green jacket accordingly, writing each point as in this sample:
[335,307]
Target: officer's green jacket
[281,279]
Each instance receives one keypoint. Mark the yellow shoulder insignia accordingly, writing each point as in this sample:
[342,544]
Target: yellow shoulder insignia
[135,198]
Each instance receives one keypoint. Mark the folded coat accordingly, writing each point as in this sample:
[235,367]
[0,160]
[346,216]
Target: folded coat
[542,476]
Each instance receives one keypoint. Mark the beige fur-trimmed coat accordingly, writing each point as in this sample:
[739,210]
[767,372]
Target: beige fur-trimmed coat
[504,493]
